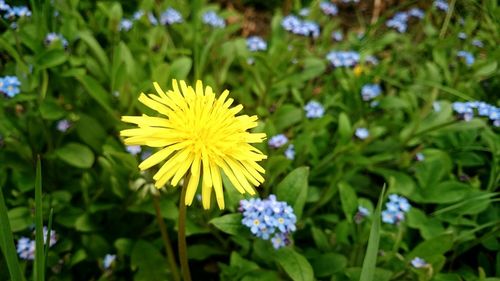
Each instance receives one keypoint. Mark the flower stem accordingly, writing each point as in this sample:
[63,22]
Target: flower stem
[166,239]
[182,233]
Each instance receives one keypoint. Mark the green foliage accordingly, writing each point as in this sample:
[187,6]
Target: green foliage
[99,203]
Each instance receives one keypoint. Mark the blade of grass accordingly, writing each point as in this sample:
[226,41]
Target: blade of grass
[39,273]
[7,243]
[47,239]
[370,261]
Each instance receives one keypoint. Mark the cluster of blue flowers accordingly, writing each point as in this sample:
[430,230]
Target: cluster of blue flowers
[362,133]
[26,247]
[370,91]
[300,27]
[278,141]
[441,5]
[52,37]
[256,43]
[466,111]
[400,19]
[314,109]
[12,13]
[329,8]
[269,219]
[168,17]
[212,19]
[343,58]
[396,209]
[10,85]
[467,56]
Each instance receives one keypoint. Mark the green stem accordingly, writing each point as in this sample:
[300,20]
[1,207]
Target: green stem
[447,19]
[182,233]
[166,239]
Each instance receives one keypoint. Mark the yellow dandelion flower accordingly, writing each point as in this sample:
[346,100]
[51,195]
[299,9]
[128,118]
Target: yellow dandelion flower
[198,134]
[358,70]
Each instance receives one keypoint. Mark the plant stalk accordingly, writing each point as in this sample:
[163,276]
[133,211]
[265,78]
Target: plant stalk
[166,239]
[186,275]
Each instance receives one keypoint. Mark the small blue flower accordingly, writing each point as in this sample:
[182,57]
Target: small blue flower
[279,240]
[469,58]
[462,35]
[138,15]
[441,5]
[278,141]
[478,43]
[170,16]
[328,8]
[290,22]
[362,133]
[10,85]
[152,19]
[418,262]
[337,36]
[419,157]
[304,12]
[370,91]
[371,59]
[342,58]
[63,125]
[212,19]
[314,109]
[297,26]
[290,152]
[108,260]
[416,12]
[133,149]
[399,22]
[26,248]
[436,106]
[256,43]
[52,37]
[125,25]
[4,6]
[363,211]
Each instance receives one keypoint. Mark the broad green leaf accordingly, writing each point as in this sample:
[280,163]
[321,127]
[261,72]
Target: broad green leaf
[147,262]
[293,189]
[328,264]
[98,51]
[446,192]
[345,128]
[286,116]
[348,199]
[294,264]
[77,155]
[203,251]
[486,69]
[435,246]
[50,110]
[179,69]
[51,58]
[97,92]
[230,223]
[20,218]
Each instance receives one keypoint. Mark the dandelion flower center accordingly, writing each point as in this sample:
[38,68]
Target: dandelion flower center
[200,135]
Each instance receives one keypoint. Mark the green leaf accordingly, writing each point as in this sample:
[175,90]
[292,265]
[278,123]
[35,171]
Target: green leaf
[39,272]
[85,224]
[435,246]
[348,199]
[147,261]
[20,218]
[50,110]
[7,243]
[294,264]
[203,251]
[51,58]
[293,189]
[87,37]
[370,260]
[230,223]
[286,116]
[97,92]
[345,128]
[487,69]
[179,69]
[446,192]
[77,155]
[328,264]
